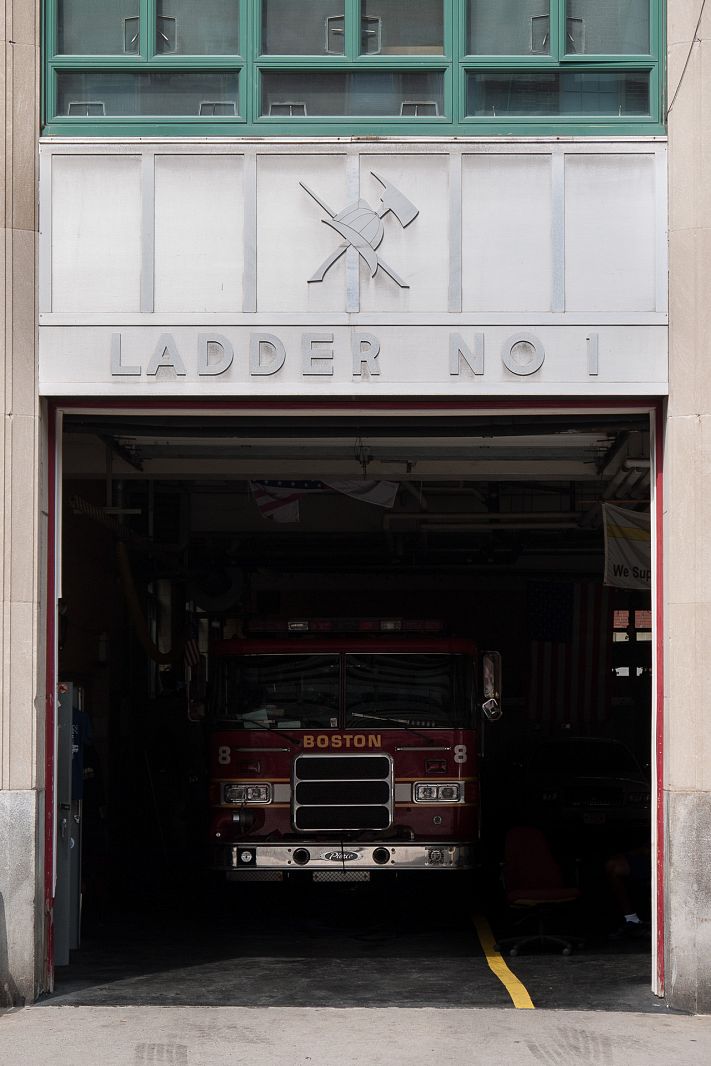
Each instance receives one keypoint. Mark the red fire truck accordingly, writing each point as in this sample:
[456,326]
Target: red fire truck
[342,748]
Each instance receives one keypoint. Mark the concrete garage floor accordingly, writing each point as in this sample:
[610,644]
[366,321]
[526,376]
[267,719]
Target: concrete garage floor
[288,1036]
[334,946]
[274,975]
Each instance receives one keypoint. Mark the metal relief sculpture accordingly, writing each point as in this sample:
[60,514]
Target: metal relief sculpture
[362,228]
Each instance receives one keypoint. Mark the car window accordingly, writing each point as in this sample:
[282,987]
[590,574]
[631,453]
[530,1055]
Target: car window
[582,757]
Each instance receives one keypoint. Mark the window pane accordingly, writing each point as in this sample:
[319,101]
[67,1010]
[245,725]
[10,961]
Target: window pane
[608,27]
[120,93]
[407,690]
[210,27]
[402,27]
[574,93]
[97,27]
[306,28]
[373,93]
[509,27]
[277,691]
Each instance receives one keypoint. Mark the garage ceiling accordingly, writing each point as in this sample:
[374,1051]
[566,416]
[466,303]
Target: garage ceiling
[491,489]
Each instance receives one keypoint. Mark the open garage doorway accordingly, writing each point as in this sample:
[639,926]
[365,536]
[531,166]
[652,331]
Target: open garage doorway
[187,536]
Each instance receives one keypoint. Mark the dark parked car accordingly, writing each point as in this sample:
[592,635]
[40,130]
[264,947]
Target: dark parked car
[579,782]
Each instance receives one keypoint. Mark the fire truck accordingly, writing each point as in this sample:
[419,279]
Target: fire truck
[341,748]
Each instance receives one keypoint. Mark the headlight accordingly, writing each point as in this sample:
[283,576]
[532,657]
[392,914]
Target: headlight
[246,794]
[449,792]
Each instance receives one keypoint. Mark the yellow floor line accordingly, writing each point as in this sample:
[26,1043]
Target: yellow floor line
[518,992]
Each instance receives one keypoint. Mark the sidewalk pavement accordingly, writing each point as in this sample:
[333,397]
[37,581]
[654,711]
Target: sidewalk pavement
[274,1036]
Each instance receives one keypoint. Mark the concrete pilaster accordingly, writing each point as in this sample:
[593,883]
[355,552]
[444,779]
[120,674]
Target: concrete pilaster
[688,514]
[21,680]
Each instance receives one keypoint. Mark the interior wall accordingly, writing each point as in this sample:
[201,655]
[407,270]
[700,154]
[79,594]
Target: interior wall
[91,623]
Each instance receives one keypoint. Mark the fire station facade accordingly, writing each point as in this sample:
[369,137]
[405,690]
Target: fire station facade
[460,201]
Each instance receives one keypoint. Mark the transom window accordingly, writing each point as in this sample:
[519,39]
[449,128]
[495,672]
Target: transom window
[340,66]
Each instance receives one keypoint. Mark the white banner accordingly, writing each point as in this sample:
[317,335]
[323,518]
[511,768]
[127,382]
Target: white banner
[628,548]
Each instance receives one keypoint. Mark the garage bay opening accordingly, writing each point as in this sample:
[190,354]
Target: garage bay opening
[347,685]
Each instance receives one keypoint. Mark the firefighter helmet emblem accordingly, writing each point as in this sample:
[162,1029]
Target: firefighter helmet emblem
[362,228]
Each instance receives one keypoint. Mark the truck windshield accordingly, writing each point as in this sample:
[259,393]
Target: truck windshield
[396,691]
[381,691]
[278,692]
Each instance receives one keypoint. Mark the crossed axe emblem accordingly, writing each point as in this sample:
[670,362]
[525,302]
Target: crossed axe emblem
[362,228]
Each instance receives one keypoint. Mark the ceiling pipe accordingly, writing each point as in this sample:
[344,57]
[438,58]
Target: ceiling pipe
[636,464]
[614,485]
[632,476]
[445,527]
[476,520]
[634,479]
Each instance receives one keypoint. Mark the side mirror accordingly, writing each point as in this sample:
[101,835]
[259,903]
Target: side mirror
[491,685]
[492,710]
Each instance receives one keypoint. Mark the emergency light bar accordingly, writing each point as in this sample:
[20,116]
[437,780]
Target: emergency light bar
[345,625]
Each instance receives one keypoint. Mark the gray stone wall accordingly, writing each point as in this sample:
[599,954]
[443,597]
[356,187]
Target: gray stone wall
[23,523]
[20,892]
[688,515]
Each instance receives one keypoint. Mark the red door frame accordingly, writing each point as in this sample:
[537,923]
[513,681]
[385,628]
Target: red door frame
[308,407]
[51,681]
[658,717]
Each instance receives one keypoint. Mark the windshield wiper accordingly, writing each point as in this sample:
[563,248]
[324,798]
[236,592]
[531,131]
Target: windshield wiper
[394,721]
[270,729]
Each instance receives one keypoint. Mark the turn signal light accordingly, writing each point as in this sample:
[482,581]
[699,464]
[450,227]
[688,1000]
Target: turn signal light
[447,792]
[239,794]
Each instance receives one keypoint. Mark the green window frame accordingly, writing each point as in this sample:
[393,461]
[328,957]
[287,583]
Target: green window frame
[464,93]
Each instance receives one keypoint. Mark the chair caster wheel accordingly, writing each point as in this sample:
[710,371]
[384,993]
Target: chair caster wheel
[567,951]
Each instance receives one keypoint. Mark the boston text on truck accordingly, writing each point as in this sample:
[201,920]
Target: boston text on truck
[342,747]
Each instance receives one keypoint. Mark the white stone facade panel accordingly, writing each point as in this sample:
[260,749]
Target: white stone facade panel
[199,233]
[390,240]
[96,233]
[507,255]
[610,244]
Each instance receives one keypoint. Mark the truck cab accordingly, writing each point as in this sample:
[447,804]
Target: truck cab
[342,748]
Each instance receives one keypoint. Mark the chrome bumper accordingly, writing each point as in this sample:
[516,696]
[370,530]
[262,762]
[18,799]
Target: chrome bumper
[251,855]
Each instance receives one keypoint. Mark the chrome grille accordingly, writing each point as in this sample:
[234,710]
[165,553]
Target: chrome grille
[343,792]
[341,875]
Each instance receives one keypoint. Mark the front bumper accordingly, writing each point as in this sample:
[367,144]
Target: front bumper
[324,856]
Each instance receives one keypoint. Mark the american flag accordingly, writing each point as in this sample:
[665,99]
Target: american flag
[191,651]
[570,631]
[279,500]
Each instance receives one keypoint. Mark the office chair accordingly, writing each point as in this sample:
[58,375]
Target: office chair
[534,884]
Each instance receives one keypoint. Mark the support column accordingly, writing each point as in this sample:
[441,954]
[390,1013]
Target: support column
[23,520]
[688,515]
